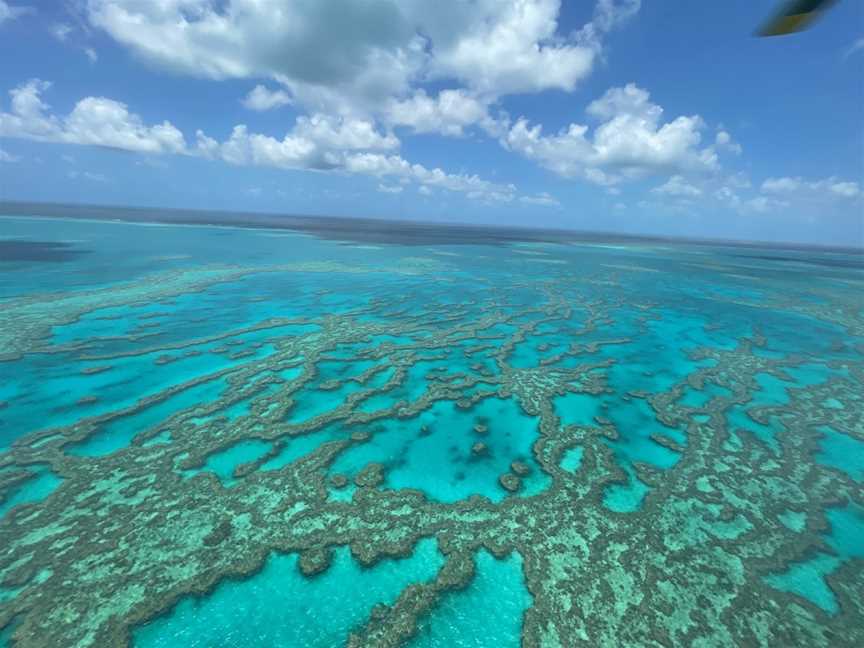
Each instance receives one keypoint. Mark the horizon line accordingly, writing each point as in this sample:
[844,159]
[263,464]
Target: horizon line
[307,221]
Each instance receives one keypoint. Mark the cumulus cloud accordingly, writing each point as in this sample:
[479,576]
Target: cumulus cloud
[317,142]
[630,141]
[357,55]
[104,122]
[827,187]
[677,186]
[94,120]
[449,113]
[394,166]
[510,47]
[514,46]
[261,98]
[7,157]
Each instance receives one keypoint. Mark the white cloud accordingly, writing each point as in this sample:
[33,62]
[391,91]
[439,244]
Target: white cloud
[394,166]
[11,12]
[343,133]
[543,199]
[262,98]
[678,187]
[514,46]
[391,189]
[94,120]
[448,114]
[355,49]
[510,47]
[827,187]
[424,190]
[7,157]
[91,54]
[369,60]
[317,142]
[344,145]
[630,141]
[355,55]
[104,122]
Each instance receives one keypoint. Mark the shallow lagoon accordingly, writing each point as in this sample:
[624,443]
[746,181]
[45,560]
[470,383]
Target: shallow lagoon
[467,444]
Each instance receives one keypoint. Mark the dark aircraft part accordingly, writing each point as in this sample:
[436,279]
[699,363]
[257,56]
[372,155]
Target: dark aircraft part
[794,16]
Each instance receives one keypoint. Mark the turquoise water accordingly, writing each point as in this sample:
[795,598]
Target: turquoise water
[698,398]
[224,462]
[433,452]
[455,621]
[6,636]
[297,447]
[618,406]
[35,489]
[843,452]
[572,459]
[118,433]
[577,409]
[807,578]
[280,607]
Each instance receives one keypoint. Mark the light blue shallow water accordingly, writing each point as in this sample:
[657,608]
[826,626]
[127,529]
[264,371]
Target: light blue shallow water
[433,452]
[572,459]
[119,432]
[224,462]
[35,489]
[843,452]
[280,607]
[6,636]
[457,621]
[807,578]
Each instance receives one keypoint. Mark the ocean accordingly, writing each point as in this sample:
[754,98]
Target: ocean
[243,430]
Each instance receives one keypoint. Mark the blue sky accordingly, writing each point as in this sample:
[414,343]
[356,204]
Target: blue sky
[654,117]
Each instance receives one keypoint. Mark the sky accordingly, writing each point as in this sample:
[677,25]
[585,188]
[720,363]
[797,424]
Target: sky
[657,117]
